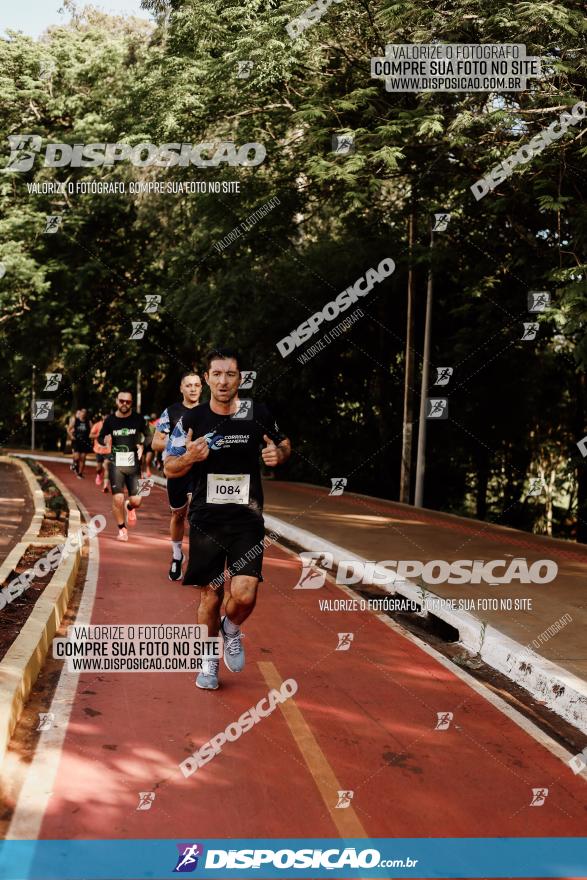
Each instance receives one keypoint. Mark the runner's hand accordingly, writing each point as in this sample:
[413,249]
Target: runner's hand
[198,450]
[271,454]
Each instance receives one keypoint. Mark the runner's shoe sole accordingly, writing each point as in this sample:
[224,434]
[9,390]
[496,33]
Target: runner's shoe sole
[213,686]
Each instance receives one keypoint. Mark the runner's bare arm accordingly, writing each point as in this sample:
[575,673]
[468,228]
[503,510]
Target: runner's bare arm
[196,450]
[273,455]
[159,441]
[140,445]
[104,433]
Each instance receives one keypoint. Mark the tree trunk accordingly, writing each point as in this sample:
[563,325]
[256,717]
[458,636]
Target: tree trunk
[408,423]
[482,468]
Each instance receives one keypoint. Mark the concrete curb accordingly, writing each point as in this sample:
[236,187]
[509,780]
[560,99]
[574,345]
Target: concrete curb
[38,503]
[21,664]
[34,527]
[561,691]
[12,559]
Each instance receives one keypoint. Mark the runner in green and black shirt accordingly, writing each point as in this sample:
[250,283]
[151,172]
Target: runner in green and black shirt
[126,431]
[224,440]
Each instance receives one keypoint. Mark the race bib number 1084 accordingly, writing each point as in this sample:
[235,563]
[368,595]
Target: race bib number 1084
[228,489]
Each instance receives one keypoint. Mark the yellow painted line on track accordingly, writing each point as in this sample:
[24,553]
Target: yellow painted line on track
[346,820]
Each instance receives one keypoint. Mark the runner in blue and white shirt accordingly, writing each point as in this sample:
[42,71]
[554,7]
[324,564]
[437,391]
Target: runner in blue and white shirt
[178,488]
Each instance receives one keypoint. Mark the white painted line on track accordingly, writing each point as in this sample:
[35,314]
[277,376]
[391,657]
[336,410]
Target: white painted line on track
[42,772]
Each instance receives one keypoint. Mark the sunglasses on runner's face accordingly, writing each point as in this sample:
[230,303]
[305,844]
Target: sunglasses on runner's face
[124,402]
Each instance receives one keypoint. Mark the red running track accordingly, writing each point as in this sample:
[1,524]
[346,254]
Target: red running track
[365,721]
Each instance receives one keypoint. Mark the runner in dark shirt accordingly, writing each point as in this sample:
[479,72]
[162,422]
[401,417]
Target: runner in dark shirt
[126,431]
[234,443]
[101,453]
[79,434]
[223,443]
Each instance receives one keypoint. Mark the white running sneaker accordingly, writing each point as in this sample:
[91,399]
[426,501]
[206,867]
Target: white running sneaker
[207,679]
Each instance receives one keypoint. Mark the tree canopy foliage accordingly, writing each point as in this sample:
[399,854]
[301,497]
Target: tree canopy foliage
[517,407]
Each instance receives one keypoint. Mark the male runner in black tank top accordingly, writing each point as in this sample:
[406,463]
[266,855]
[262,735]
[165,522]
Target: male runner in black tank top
[178,489]
[79,434]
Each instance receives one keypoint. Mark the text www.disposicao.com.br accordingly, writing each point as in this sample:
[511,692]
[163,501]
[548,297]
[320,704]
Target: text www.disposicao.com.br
[134,664]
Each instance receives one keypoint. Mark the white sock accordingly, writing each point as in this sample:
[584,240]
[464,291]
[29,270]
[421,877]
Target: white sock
[230,628]
[177,552]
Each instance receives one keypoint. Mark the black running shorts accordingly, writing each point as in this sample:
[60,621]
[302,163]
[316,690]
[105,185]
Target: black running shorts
[212,547]
[121,477]
[84,446]
[178,489]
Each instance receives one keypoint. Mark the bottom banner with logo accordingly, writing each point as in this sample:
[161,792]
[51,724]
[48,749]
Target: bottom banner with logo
[294,857]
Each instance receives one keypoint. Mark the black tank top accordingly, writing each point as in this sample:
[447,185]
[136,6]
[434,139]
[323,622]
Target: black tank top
[81,429]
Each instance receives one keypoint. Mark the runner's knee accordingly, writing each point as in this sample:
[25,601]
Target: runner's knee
[209,598]
[244,590]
